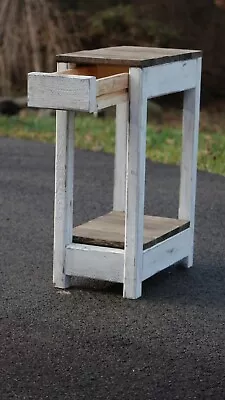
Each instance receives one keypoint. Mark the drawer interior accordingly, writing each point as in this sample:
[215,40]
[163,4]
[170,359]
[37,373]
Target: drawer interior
[97,70]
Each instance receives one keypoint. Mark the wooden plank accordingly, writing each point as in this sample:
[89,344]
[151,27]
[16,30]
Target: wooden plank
[104,85]
[135,184]
[107,263]
[133,56]
[166,253]
[170,78]
[112,84]
[111,99]
[94,262]
[120,159]
[63,204]
[189,156]
[67,91]
[109,230]
[61,91]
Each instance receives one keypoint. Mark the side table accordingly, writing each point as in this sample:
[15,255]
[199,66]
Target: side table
[124,245]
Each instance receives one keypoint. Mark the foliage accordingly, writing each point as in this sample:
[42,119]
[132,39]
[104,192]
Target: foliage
[163,143]
[121,26]
[32,32]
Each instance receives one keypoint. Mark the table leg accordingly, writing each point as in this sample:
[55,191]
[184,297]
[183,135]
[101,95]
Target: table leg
[63,209]
[122,113]
[189,158]
[135,185]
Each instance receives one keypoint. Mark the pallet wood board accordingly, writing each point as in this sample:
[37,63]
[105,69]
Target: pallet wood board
[108,230]
[133,56]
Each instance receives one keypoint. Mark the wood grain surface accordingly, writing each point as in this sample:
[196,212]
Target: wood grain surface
[133,56]
[108,230]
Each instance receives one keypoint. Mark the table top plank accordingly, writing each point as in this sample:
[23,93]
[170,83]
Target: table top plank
[132,56]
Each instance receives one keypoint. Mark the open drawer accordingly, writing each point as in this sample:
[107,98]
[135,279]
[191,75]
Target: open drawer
[84,88]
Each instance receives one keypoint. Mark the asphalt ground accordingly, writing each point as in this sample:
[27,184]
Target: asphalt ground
[89,342]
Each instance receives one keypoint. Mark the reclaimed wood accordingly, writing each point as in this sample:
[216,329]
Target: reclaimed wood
[106,83]
[189,157]
[61,92]
[124,245]
[135,185]
[165,254]
[170,78]
[120,159]
[65,90]
[132,56]
[109,230]
[63,205]
[112,84]
[94,262]
[108,263]
[97,70]
[111,99]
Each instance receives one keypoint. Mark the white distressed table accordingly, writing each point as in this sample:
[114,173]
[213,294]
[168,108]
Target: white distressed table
[124,245]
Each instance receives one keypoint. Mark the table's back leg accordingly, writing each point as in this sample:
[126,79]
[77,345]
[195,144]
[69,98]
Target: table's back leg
[189,158]
[135,185]
[63,209]
[119,192]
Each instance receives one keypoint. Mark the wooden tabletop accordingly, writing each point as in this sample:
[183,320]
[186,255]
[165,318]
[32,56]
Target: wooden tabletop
[133,56]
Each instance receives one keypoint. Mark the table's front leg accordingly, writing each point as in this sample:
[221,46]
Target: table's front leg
[135,185]
[63,208]
[189,158]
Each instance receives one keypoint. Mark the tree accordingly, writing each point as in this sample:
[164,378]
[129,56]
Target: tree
[32,32]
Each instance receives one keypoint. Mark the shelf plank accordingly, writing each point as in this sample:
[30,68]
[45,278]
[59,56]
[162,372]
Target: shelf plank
[108,230]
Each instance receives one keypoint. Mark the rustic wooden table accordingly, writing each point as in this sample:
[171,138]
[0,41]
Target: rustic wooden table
[124,245]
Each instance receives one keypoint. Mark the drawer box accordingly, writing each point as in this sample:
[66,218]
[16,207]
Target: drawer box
[76,89]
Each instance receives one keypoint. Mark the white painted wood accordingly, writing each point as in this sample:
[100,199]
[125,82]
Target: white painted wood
[106,85]
[190,156]
[65,91]
[135,184]
[63,207]
[170,78]
[94,262]
[166,253]
[111,99]
[111,84]
[122,126]
[61,91]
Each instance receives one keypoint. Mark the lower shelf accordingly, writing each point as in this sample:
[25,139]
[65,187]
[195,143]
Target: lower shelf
[108,230]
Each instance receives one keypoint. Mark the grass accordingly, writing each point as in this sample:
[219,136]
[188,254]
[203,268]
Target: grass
[96,134]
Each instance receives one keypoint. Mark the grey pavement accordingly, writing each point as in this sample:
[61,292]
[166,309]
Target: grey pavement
[89,342]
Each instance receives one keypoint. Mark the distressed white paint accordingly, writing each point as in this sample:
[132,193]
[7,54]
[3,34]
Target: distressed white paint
[61,92]
[94,262]
[170,78]
[166,253]
[122,126]
[135,184]
[131,265]
[190,156]
[63,209]
[65,91]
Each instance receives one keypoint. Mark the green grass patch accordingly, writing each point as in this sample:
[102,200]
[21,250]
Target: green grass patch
[163,143]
